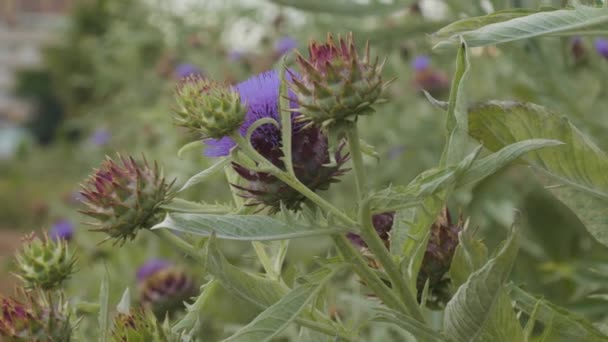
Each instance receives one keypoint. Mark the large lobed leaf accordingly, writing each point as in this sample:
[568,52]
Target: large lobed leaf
[579,164]
[481,310]
[562,21]
[239,227]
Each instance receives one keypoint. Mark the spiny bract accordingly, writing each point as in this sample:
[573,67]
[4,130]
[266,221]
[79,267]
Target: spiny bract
[336,85]
[125,197]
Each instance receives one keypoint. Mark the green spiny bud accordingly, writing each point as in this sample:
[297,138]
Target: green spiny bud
[209,107]
[336,85]
[141,326]
[35,319]
[44,263]
[125,197]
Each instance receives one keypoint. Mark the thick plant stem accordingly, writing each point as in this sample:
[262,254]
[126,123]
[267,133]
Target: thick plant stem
[348,252]
[368,232]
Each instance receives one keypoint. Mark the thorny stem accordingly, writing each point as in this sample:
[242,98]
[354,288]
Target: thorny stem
[346,249]
[368,232]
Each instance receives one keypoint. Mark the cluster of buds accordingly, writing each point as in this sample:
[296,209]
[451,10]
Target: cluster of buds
[34,319]
[437,258]
[125,196]
[208,107]
[163,287]
[44,263]
[140,325]
[337,85]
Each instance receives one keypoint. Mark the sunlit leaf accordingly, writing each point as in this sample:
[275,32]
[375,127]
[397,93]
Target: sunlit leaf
[470,255]
[240,227]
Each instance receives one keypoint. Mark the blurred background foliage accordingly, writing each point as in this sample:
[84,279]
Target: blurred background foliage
[107,84]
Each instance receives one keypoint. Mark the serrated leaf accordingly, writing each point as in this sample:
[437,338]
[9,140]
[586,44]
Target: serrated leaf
[201,176]
[407,323]
[240,227]
[565,325]
[345,7]
[185,206]
[481,310]
[261,291]
[470,255]
[534,25]
[279,315]
[579,164]
[104,307]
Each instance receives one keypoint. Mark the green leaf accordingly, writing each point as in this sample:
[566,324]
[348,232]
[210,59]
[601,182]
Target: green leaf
[201,176]
[189,146]
[565,325]
[470,255]
[407,323]
[481,310]
[534,25]
[579,164]
[457,115]
[345,7]
[185,206]
[278,316]
[240,227]
[124,305]
[261,291]
[104,311]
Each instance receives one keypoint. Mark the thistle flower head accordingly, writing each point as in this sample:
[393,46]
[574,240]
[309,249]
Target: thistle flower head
[140,325]
[101,137]
[62,230]
[285,45]
[427,78]
[165,288]
[125,196]
[421,62]
[310,156]
[187,70]
[438,258]
[601,46]
[150,267]
[383,223]
[213,109]
[35,319]
[337,85]
[44,263]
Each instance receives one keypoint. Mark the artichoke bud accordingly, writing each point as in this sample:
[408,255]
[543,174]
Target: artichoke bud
[337,85]
[140,326]
[125,196]
[34,319]
[438,258]
[165,290]
[44,263]
[209,107]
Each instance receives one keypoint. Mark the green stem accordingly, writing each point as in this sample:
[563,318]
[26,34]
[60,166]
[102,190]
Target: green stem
[368,232]
[180,243]
[346,249]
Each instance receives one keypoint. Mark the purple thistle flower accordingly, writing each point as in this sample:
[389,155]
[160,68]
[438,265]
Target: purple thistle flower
[383,223]
[150,267]
[62,230]
[101,137]
[285,45]
[601,46]
[187,70]
[421,63]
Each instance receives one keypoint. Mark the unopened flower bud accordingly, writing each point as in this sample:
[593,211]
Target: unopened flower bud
[34,319]
[163,287]
[140,325]
[44,263]
[208,107]
[62,230]
[125,196]
[336,84]
[601,46]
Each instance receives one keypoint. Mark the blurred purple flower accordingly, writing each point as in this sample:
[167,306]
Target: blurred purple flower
[62,230]
[420,63]
[285,45]
[395,151]
[601,46]
[150,267]
[187,70]
[235,55]
[101,136]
